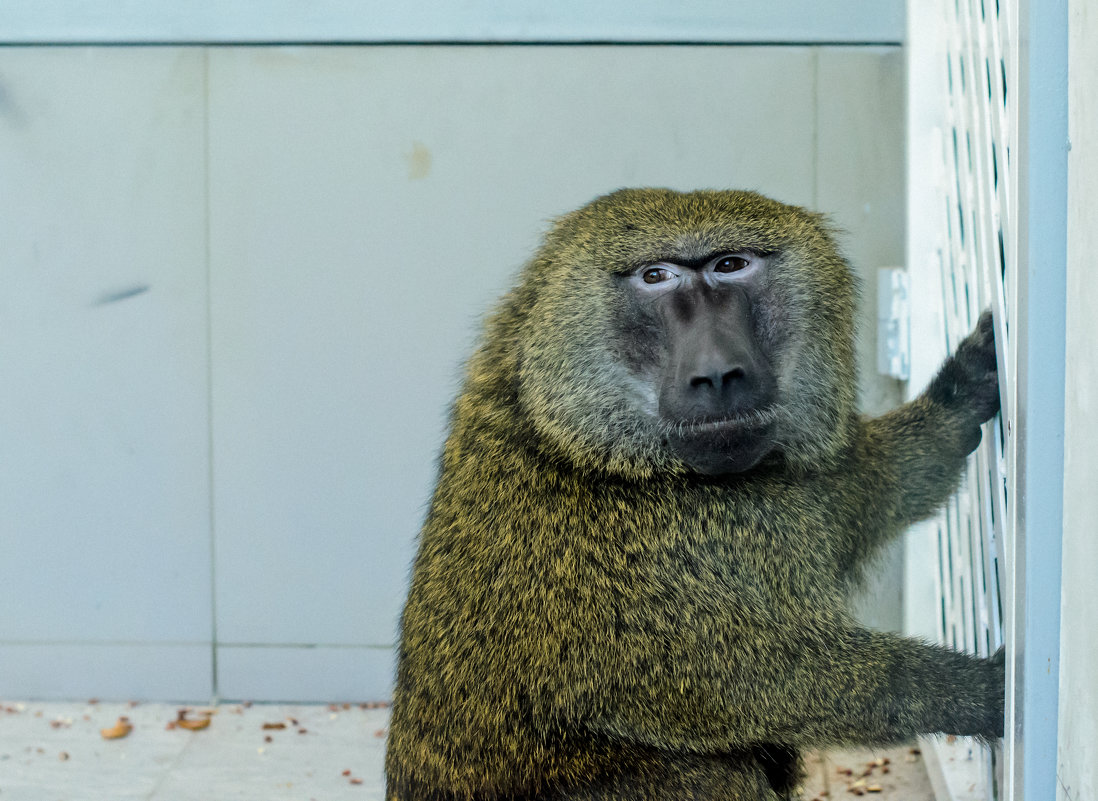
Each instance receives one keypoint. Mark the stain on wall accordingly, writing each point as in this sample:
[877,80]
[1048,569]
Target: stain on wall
[419,161]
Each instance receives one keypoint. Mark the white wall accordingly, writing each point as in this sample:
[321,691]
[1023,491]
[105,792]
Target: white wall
[239,284]
[1078,740]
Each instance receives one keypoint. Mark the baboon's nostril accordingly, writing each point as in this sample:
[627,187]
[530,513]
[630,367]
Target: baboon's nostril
[735,375]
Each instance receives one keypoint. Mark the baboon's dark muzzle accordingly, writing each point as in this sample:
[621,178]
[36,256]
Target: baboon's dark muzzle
[715,369]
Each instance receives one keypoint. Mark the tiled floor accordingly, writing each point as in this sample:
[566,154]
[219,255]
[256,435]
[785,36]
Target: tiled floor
[888,774]
[56,752]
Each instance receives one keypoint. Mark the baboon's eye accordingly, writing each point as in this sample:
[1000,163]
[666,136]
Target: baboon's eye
[730,264]
[656,275]
[655,278]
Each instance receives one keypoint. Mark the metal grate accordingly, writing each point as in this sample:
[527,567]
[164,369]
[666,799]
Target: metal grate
[977,272]
[977,261]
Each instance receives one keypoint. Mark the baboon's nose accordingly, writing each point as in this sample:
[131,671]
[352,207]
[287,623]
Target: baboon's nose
[718,389]
[719,381]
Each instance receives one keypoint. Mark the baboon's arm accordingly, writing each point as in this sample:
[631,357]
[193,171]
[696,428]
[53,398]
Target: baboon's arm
[847,686]
[907,462]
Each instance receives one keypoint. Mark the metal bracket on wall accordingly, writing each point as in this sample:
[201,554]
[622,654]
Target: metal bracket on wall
[893,324]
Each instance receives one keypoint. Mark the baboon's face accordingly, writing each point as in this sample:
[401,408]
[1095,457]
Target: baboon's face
[694,325]
[705,331]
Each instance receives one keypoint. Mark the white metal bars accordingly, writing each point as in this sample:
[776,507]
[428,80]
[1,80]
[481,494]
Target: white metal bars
[977,260]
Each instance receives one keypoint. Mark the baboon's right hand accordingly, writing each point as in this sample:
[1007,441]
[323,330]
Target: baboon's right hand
[996,703]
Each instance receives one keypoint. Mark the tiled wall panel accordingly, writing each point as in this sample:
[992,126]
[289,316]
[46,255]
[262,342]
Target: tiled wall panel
[104,488]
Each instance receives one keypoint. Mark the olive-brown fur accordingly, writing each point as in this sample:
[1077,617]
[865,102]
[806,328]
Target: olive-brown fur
[591,619]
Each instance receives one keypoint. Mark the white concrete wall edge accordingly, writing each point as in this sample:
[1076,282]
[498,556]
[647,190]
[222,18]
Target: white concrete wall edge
[286,21]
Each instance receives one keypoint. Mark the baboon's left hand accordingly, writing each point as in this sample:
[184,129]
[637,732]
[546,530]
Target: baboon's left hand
[976,358]
[968,383]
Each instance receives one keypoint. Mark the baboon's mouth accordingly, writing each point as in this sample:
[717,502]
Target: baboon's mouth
[713,426]
[756,419]
[725,445]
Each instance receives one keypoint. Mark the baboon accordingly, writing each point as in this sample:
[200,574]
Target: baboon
[653,500]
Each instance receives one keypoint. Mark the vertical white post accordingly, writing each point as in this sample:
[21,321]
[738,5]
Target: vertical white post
[1033,620]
